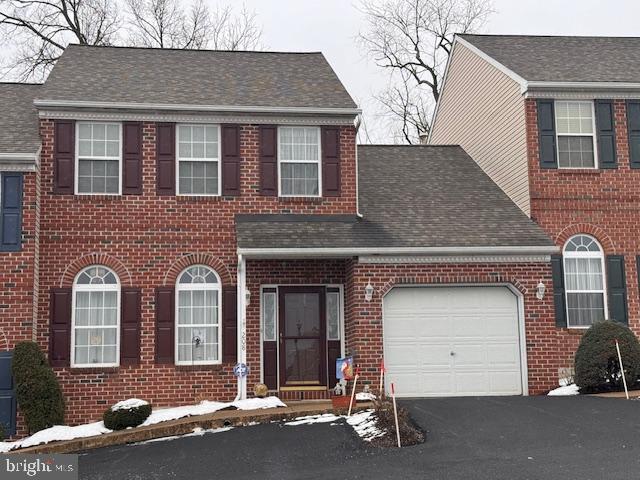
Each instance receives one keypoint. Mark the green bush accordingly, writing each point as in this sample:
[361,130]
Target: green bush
[596,363]
[37,389]
[126,417]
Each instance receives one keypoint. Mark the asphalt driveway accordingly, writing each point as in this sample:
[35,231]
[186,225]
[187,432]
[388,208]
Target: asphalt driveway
[467,438]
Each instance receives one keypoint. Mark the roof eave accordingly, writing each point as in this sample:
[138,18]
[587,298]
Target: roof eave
[337,252]
[583,86]
[19,162]
[44,103]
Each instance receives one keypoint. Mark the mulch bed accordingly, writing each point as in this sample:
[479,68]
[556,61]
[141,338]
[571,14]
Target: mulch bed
[410,433]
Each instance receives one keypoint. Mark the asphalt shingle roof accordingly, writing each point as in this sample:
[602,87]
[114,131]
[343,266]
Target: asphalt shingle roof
[19,119]
[410,196]
[564,59]
[195,77]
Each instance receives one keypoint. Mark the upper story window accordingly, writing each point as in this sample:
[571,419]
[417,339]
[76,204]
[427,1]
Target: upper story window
[575,129]
[198,160]
[95,337]
[299,161]
[198,332]
[584,281]
[99,158]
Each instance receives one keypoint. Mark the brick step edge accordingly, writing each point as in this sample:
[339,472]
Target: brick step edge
[183,426]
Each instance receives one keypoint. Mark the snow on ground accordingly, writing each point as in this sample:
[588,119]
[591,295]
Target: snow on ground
[310,419]
[364,423]
[564,391]
[128,404]
[197,432]
[365,397]
[63,432]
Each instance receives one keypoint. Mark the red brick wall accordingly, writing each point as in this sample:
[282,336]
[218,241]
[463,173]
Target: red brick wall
[17,274]
[364,319]
[601,203]
[147,240]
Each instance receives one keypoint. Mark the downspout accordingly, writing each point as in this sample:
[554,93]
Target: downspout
[358,122]
[242,323]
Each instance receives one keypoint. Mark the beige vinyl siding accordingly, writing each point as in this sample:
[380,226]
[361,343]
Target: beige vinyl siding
[482,109]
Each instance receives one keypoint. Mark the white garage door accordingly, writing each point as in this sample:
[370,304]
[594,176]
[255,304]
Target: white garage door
[452,341]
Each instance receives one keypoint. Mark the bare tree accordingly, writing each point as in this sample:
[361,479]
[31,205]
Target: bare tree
[413,39]
[167,24]
[38,31]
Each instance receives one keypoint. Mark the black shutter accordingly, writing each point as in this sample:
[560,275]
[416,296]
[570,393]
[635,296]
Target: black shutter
[268,149]
[547,134]
[605,127]
[633,127]
[132,158]
[10,212]
[617,286]
[229,324]
[165,324]
[130,326]
[559,302]
[60,327]
[230,160]
[331,161]
[63,156]
[166,159]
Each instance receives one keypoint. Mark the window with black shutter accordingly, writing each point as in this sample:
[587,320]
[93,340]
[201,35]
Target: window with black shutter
[11,211]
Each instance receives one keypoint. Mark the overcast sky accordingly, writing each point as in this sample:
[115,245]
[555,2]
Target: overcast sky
[331,25]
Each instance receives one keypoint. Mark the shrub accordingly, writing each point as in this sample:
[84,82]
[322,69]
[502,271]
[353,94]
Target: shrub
[37,389]
[120,417]
[596,363]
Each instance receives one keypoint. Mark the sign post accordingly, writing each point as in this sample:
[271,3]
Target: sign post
[353,392]
[381,391]
[395,413]
[624,380]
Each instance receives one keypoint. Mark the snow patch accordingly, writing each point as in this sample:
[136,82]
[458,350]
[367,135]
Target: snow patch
[365,425]
[129,404]
[365,397]
[311,419]
[197,432]
[565,390]
[63,432]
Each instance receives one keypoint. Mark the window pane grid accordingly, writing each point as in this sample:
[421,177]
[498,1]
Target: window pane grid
[575,130]
[198,160]
[299,156]
[99,153]
[576,152]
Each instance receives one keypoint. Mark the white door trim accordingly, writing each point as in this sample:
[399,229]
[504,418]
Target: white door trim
[524,369]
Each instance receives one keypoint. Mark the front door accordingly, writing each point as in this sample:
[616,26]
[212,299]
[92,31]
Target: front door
[302,336]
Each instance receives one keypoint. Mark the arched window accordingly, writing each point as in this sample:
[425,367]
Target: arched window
[198,305]
[584,281]
[95,337]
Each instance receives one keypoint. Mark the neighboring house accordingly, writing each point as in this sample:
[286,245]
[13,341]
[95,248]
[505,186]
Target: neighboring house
[555,122]
[201,208]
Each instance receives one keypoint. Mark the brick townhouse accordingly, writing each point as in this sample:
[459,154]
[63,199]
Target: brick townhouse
[555,122]
[183,211]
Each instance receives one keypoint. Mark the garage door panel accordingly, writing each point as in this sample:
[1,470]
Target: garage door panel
[423,325]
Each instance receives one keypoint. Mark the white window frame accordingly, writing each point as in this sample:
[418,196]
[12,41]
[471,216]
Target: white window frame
[178,159]
[593,135]
[600,255]
[94,288]
[84,157]
[318,162]
[190,287]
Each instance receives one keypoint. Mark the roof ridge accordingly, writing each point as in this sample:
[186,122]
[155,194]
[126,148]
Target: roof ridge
[448,145]
[201,50]
[543,36]
[28,84]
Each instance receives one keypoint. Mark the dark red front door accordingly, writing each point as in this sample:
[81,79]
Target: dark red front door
[303,342]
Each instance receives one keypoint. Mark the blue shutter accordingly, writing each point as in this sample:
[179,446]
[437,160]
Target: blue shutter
[10,212]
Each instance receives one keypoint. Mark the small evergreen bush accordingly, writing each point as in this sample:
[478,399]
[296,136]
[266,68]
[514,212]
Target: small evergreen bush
[37,389]
[596,363]
[121,418]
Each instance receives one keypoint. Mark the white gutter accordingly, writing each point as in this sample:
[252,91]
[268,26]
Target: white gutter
[584,85]
[242,323]
[199,108]
[352,252]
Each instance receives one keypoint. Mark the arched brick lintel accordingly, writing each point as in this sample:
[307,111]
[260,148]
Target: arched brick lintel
[588,229]
[95,258]
[453,280]
[226,277]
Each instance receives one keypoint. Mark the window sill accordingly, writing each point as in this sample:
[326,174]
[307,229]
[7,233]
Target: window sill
[92,198]
[298,200]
